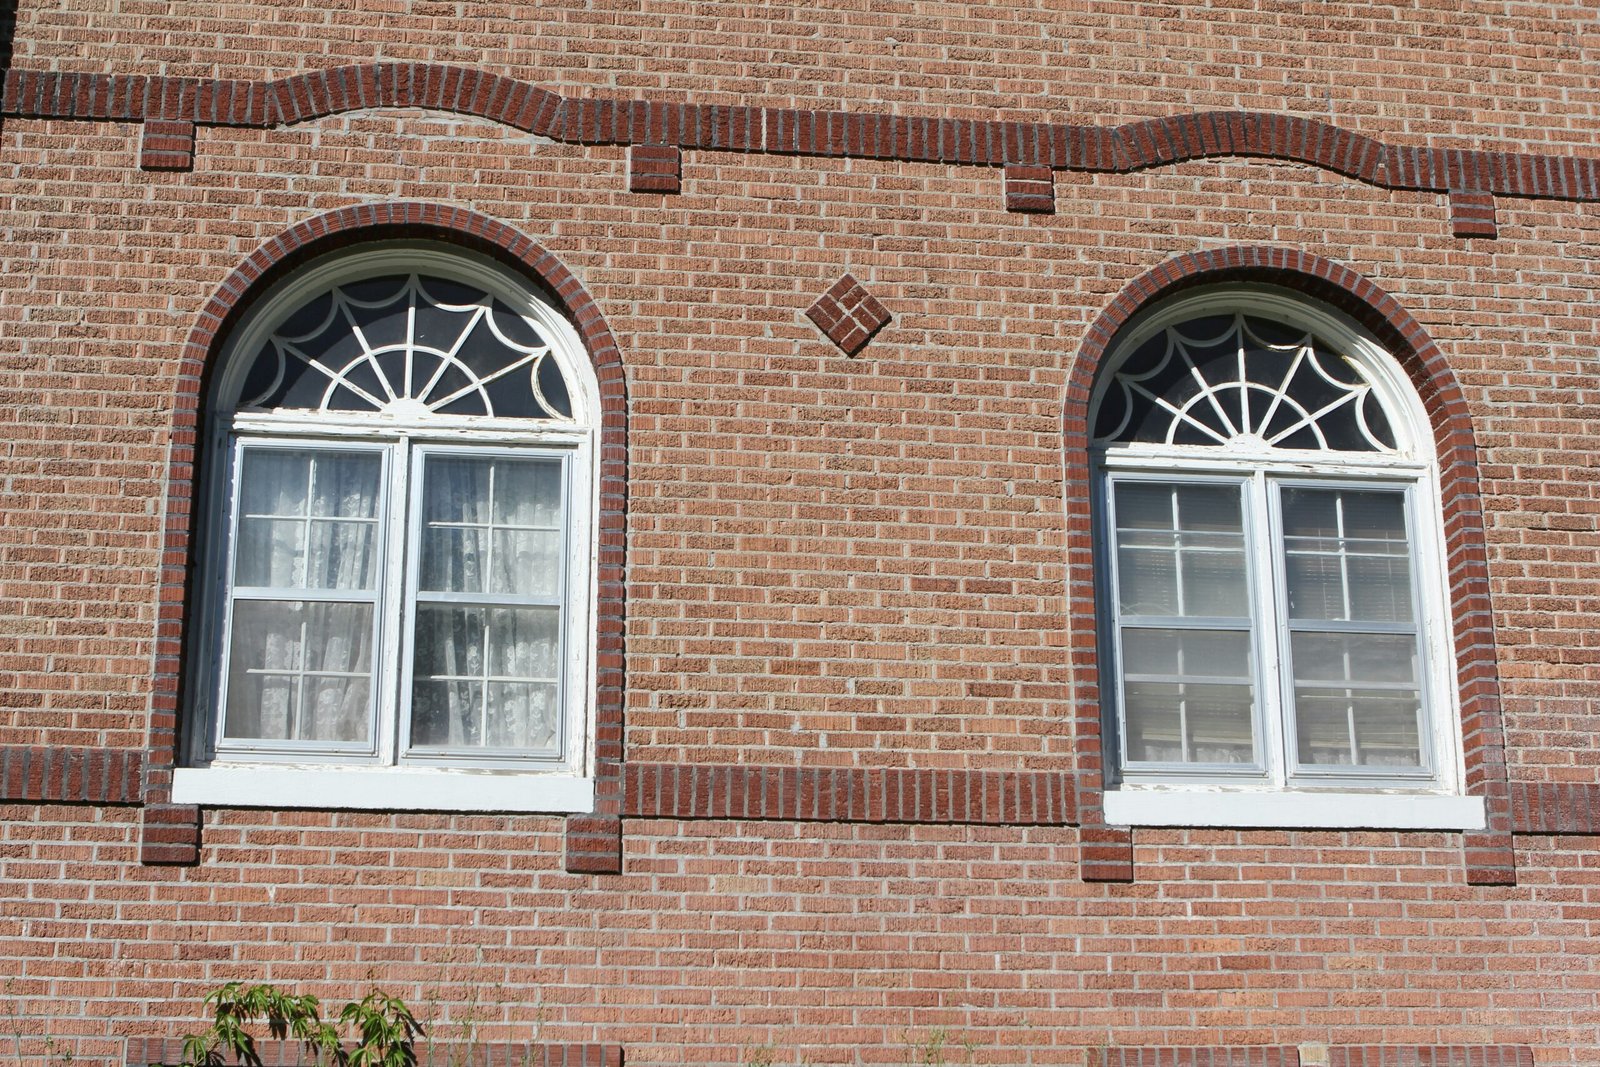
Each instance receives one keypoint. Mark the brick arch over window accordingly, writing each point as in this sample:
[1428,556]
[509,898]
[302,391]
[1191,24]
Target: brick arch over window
[1107,851]
[171,832]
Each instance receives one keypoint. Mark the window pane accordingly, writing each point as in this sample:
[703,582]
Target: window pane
[1193,654]
[446,714]
[1357,699]
[1180,550]
[1360,658]
[486,677]
[1356,727]
[308,519]
[1347,555]
[299,671]
[492,526]
[1188,722]
[522,715]
[1189,695]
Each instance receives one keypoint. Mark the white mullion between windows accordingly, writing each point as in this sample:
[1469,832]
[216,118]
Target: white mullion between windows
[393,630]
[1266,647]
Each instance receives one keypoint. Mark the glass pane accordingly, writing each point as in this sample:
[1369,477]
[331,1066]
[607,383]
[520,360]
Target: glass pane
[1357,727]
[527,563]
[299,672]
[527,492]
[1186,654]
[1144,506]
[1209,508]
[1380,588]
[492,526]
[274,481]
[486,677]
[522,715]
[449,642]
[343,555]
[1386,730]
[1189,722]
[1147,582]
[1214,582]
[1180,550]
[308,519]
[446,713]
[453,559]
[525,643]
[1153,723]
[1376,516]
[345,485]
[1354,658]
[1347,555]
[270,554]
[1220,726]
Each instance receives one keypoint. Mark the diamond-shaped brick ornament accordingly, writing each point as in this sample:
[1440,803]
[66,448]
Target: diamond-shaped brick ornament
[848,314]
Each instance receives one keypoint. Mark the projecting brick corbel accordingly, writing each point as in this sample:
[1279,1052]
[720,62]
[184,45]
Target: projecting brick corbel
[1031,190]
[1472,214]
[1105,853]
[1491,859]
[170,835]
[166,144]
[655,168]
[594,844]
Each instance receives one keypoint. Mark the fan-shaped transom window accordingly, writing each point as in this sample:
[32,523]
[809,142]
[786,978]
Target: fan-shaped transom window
[400,505]
[1233,379]
[408,344]
[1271,582]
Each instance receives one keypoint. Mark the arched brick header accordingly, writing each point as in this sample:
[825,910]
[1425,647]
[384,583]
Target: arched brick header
[1107,850]
[171,832]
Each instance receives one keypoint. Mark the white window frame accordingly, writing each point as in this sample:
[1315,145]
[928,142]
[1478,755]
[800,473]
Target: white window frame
[1274,792]
[388,777]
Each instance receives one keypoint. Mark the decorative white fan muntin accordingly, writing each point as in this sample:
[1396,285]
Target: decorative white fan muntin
[434,379]
[465,347]
[1255,373]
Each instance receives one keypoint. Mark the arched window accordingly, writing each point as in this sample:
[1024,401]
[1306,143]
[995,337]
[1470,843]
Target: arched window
[1272,596]
[398,551]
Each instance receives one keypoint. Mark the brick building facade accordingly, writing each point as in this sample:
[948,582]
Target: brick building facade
[842,748]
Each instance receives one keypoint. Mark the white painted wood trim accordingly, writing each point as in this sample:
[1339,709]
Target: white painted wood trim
[380,789]
[1258,809]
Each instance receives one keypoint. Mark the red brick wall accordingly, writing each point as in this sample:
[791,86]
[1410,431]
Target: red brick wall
[839,563]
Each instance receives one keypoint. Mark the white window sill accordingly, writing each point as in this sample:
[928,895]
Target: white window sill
[380,789]
[1264,810]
